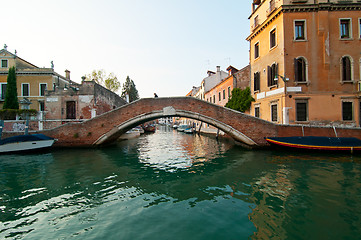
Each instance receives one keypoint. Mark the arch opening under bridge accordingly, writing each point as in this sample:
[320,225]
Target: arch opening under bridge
[170,111]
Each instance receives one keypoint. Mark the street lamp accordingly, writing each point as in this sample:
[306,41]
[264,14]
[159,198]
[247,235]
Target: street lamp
[285,109]
[284,79]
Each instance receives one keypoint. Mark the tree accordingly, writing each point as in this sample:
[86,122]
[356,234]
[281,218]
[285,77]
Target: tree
[99,76]
[11,97]
[130,90]
[240,100]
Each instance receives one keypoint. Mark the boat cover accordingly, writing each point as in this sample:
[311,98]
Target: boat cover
[25,138]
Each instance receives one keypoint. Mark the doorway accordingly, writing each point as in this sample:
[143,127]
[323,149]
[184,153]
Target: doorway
[70,110]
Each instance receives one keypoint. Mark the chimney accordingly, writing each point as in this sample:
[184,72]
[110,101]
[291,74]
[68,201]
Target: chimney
[218,68]
[67,74]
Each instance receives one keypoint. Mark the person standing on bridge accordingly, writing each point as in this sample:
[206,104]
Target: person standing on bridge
[155,95]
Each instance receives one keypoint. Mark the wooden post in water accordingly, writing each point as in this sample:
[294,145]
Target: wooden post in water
[200,127]
[1,127]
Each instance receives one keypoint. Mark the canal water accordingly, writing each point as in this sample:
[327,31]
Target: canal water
[170,185]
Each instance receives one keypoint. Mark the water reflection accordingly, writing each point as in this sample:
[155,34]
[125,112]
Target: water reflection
[183,180]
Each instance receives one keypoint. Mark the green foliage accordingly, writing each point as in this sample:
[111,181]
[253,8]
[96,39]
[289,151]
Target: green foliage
[99,76]
[8,114]
[11,97]
[130,90]
[240,100]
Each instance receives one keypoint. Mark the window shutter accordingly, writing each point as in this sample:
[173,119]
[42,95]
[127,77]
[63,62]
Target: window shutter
[276,74]
[295,63]
[269,76]
[303,70]
[348,69]
[255,82]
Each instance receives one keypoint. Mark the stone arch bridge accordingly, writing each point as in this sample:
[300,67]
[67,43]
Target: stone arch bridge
[248,130]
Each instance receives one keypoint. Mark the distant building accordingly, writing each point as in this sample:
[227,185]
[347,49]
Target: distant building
[32,81]
[57,98]
[305,61]
[80,101]
[217,88]
[221,92]
[210,81]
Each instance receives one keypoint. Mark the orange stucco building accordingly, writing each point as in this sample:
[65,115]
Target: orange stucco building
[221,92]
[305,58]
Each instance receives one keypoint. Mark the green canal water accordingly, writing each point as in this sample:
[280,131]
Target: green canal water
[170,185]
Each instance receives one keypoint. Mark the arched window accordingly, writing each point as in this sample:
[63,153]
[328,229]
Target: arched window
[300,69]
[257,82]
[346,69]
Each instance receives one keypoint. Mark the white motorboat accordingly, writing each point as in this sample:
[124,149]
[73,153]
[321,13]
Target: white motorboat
[25,143]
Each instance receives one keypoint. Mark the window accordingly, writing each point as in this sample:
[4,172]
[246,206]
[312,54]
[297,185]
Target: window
[224,94]
[42,88]
[257,82]
[41,106]
[214,98]
[301,111]
[300,69]
[274,117]
[272,38]
[300,30]
[346,69]
[4,63]
[256,50]
[359,27]
[272,71]
[219,96]
[229,92]
[347,111]
[3,90]
[256,22]
[272,6]
[25,89]
[256,112]
[345,28]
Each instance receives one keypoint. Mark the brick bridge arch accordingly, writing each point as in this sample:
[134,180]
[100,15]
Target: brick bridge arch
[243,128]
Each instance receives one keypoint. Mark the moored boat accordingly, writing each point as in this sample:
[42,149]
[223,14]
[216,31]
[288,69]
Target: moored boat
[150,128]
[182,127]
[317,143]
[188,130]
[25,143]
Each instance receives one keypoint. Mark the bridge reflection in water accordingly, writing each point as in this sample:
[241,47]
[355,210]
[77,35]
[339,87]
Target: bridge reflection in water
[177,186]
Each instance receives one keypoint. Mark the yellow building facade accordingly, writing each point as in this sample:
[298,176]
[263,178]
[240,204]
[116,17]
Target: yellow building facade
[32,81]
[305,58]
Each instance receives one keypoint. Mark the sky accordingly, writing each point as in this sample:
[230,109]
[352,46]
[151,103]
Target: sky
[164,46]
